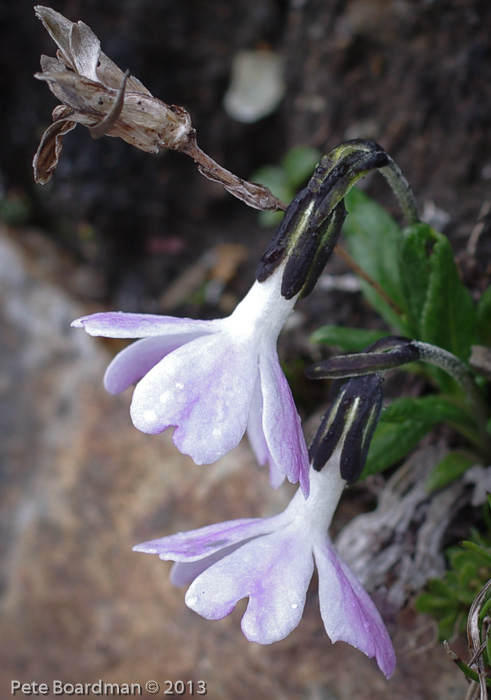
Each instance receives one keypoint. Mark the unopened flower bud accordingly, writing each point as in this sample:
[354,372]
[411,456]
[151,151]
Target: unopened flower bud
[348,426]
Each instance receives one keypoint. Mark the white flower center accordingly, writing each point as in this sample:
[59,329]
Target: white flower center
[314,514]
[263,310]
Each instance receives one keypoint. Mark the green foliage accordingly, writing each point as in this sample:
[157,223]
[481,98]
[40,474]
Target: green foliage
[424,298]
[450,468]
[417,270]
[285,180]
[405,422]
[441,308]
[391,442]
[448,599]
[374,239]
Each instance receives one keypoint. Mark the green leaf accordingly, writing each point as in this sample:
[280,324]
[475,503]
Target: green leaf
[484,317]
[405,422]
[299,164]
[348,339]
[431,410]
[440,305]
[374,239]
[430,604]
[441,588]
[483,554]
[415,270]
[392,442]
[449,317]
[451,467]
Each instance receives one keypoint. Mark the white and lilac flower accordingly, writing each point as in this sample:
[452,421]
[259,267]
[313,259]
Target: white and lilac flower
[271,562]
[212,380]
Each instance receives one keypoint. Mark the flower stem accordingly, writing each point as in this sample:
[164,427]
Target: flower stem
[401,189]
[254,195]
[469,672]
[459,371]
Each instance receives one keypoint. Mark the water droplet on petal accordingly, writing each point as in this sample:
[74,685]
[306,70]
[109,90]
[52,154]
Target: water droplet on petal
[165,396]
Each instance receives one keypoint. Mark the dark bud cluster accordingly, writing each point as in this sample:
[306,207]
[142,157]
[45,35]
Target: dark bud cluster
[312,223]
[386,353]
[349,425]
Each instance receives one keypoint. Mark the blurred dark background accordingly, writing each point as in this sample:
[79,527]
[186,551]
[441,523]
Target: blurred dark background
[414,75]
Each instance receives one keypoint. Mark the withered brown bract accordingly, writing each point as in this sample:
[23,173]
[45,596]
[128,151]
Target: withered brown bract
[96,93]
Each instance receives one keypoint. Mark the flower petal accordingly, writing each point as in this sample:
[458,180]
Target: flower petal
[204,541]
[281,423]
[196,550]
[132,363]
[348,612]
[257,440]
[184,572]
[204,388]
[116,324]
[273,571]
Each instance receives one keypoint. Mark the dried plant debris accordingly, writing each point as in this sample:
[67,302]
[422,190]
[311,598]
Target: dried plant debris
[477,669]
[95,92]
[404,534]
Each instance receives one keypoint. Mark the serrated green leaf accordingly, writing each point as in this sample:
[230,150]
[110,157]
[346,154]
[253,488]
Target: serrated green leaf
[448,318]
[373,240]
[451,467]
[431,410]
[440,306]
[299,164]
[392,442]
[405,422]
[415,269]
[484,318]
[348,339]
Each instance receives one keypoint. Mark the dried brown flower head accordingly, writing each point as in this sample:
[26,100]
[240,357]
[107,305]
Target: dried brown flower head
[95,92]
